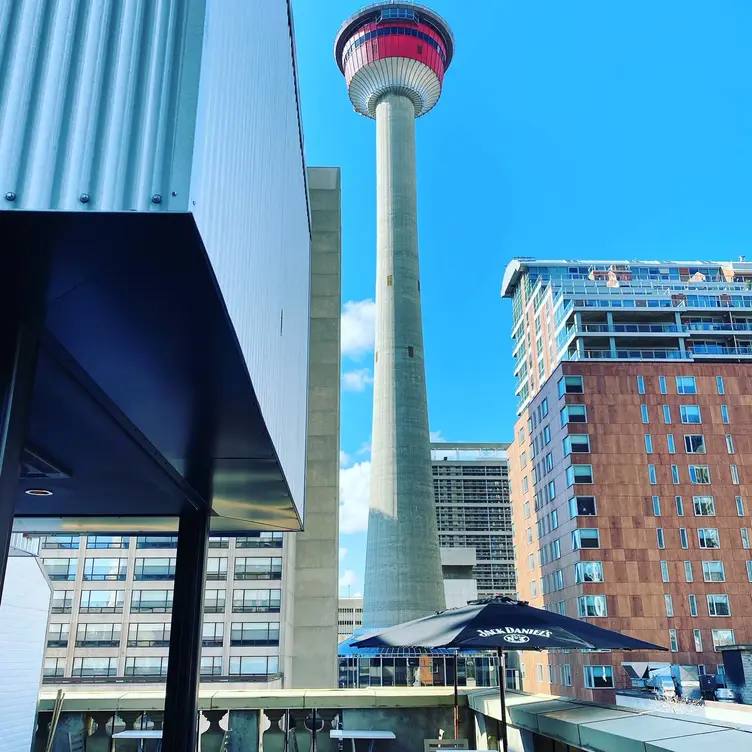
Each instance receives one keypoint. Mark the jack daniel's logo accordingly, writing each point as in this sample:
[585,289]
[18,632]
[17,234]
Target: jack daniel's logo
[514,635]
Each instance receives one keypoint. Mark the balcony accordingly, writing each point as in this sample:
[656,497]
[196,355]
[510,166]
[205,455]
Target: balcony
[628,355]
[716,351]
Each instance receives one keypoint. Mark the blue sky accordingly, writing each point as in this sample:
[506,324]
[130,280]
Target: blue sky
[581,129]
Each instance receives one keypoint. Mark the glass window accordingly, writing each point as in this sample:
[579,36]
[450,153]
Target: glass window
[547,435]
[582,506]
[691,414]
[144,665]
[675,474]
[745,537]
[640,385]
[585,537]
[657,506]
[664,571]
[719,385]
[708,537]
[699,474]
[567,669]
[688,571]
[151,602]
[258,568]
[712,571]
[571,385]
[256,601]
[749,570]
[62,601]
[102,602]
[679,506]
[57,635]
[549,463]
[254,665]
[704,506]
[578,443]
[544,407]
[107,541]
[671,444]
[683,537]
[729,443]
[61,569]
[662,384]
[722,638]
[686,385]
[263,540]
[85,667]
[672,641]
[648,443]
[211,665]
[157,568]
[651,475]
[692,605]
[735,474]
[554,519]
[54,667]
[100,570]
[644,414]
[60,542]
[98,636]
[216,568]
[588,571]
[216,541]
[718,605]
[212,634]
[254,633]
[724,414]
[539,671]
[214,601]
[599,677]
[694,443]
[579,474]
[666,414]
[669,603]
[521,435]
[697,635]
[573,414]
[533,589]
[591,606]
[660,538]
[146,635]
[740,506]
[157,541]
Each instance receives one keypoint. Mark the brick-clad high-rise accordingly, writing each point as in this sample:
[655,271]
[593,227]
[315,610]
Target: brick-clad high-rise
[631,460]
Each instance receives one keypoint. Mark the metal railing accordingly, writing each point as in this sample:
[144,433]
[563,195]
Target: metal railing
[629,355]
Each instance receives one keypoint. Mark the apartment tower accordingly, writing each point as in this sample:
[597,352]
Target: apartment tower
[631,459]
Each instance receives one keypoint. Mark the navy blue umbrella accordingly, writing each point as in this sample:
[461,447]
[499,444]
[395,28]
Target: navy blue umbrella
[499,624]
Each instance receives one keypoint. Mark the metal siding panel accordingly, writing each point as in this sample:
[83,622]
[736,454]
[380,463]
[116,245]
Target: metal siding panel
[249,198]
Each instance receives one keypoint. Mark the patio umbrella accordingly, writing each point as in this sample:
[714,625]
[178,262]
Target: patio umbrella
[502,623]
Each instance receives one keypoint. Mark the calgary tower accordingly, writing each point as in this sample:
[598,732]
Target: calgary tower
[393,56]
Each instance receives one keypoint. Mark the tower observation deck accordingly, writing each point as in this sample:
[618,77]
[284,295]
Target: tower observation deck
[394,56]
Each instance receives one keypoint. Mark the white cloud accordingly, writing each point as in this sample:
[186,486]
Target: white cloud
[344,459]
[365,448]
[349,579]
[437,436]
[342,553]
[358,328]
[354,491]
[357,381]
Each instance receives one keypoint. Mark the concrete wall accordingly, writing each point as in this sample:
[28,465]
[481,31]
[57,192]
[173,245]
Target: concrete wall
[314,663]
[23,627]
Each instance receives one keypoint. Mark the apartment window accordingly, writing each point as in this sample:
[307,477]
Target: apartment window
[712,571]
[659,536]
[146,665]
[157,541]
[157,568]
[567,669]
[521,436]
[648,443]
[258,568]
[578,443]
[582,506]
[534,589]
[539,671]
[261,540]
[651,475]
[547,435]
[86,667]
[722,638]
[697,634]
[558,580]
[549,463]
[690,414]
[686,385]
[749,570]
[579,474]
[644,414]
[729,443]
[62,602]
[254,634]
[525,486]
[211,665]
[708,537]
[544,407]
[151,602]
[219,541]
[530,535]
[745,537]
[254,666]
[54,667]
[679,506]
[216,568]
[556,547]
[571,385]
[100,570]
[145,635]
[58,542]
[592,606]
[718,605]
[673,641]
[735,474]
[657,506]
[57,635]
[688,571]
[212,634]
[683,537]
[671,444]
[692,605]
[740,506]
[669,603]
[704,506]
[588,571]
[599,677]
[585,537]
[724,414]
[107,541]
[98,636]
[562,607]
[551,678]
[662,384]
[61,569]
[531,562]
[666,414]
[554,519]
[214,601]
[664,571]
[719,385]
[256,601]
[699,474]
[573,414]
[526,507]
[102,602]
[675,474]
[640,385]
[694,443]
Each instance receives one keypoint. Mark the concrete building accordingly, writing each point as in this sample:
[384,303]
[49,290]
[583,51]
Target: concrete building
[394,56]
[350,617]
[630,463]
[270,598]
[474,511]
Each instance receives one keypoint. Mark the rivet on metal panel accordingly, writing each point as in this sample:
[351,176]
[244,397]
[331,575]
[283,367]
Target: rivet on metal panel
[10,196]
[174,193]
[156,199]
[84,198]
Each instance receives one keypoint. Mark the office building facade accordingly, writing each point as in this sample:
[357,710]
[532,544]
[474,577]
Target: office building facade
[631,460]
[350,617]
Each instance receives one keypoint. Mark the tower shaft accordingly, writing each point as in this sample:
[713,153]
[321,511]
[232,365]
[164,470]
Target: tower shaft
[403,567]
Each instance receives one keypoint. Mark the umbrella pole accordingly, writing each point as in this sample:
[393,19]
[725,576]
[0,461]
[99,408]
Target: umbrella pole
[456,698]
[502,697]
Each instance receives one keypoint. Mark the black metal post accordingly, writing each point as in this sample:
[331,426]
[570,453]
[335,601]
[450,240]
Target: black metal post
[502,697]
[180,731]
[18,350]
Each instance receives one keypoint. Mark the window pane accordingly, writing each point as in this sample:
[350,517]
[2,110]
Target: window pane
[704,506]
[686,385]
[640,385]
[671,444]
[644,413]
[666,414]
[691,414]
[662,384]
[708,537]
[599,677]
[588,571]
[719,385]
[692,605]
[657,506]
[712,571]
[694,443]
[664,571]
[718,605]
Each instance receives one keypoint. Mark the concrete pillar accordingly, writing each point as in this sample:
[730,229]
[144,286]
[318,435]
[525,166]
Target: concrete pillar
[612,346]
[403,578]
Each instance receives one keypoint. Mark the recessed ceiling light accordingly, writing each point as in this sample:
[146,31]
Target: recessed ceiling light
[38,492]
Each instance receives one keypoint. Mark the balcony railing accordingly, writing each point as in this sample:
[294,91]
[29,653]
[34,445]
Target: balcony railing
[629,355]
[628,328]
[716,326]
[739,351]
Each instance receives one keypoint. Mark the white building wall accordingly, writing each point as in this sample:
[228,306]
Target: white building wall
[23,624]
